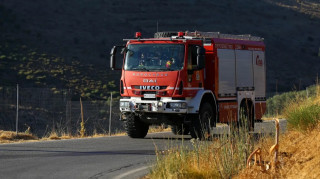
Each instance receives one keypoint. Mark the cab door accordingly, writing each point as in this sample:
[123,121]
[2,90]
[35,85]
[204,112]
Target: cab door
[195,70]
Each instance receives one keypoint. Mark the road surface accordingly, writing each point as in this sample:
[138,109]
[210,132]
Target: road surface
[105,157]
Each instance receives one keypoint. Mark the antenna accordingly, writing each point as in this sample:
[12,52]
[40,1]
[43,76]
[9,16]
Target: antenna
[157,26]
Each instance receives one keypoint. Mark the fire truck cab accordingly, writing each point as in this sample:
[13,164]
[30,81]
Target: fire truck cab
[191,81]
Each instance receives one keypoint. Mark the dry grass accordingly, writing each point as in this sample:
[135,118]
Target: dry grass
[310,7]
[161,128]
[299,156]
[299,147]
[10,136]
[221,158]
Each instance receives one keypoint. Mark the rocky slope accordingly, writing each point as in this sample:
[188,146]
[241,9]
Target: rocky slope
[84,31]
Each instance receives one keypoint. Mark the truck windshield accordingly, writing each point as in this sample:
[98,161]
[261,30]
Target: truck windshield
[154,57]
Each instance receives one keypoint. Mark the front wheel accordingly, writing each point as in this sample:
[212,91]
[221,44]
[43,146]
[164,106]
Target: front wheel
[204,122]
[135,128]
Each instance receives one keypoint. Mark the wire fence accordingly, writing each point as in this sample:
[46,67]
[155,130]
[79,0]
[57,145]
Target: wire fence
[44,110]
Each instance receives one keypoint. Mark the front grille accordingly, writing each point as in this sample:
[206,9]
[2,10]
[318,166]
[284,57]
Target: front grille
[148,92]
[138,87]
[150,99]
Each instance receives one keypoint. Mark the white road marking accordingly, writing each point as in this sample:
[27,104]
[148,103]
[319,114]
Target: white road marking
[131,172]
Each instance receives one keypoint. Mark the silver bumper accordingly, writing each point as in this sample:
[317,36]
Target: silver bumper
[164,105]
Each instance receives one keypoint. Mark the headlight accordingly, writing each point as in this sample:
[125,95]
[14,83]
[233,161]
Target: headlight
[160,103]
[124,104]
[178,105]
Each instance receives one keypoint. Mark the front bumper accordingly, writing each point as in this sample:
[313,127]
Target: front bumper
[163,105]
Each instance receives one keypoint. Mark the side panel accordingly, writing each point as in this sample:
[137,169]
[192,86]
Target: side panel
[227,76]
[228,111]
[260,109]
[259,73]
[244,69]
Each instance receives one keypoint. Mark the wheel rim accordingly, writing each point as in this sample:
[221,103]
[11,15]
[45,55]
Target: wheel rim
[206,124]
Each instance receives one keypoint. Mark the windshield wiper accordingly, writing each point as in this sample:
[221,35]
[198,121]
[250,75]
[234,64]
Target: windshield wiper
[141,68]
[163,69]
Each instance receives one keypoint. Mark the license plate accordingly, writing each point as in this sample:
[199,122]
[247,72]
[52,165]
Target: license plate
[149,95]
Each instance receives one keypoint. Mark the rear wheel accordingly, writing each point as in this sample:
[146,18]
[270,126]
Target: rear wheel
[135,128]
[181,129]
[204,122]
[246,115]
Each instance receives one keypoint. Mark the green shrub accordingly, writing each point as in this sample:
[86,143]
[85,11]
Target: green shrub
[278,103]
[303,117]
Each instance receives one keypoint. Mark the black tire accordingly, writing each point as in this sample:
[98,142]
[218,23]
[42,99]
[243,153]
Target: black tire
[165,34]
[202,124]
[135,128]
[246,115]
[181,129]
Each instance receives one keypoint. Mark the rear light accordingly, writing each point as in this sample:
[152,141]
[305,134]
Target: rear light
[181,88]
[180,34]
[138,35]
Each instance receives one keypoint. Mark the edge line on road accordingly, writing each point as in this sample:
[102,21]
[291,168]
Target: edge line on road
[131,172]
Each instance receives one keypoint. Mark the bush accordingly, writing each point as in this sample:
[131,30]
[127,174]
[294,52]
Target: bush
[303,112]
[277,104]
[303,117]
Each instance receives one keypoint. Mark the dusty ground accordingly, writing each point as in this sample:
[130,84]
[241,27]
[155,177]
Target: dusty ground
[299,157]
[12,137]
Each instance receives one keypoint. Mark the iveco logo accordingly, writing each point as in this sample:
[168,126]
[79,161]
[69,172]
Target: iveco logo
[150,87]
[149,81]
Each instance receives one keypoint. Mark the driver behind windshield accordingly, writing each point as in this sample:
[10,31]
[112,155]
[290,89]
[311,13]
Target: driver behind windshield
[154,57]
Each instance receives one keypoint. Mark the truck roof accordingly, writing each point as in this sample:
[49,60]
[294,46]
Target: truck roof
[209,38]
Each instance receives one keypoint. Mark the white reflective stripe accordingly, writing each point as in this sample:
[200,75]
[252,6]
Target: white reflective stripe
[227,99]
[171,88]
[128,87]
[193,88]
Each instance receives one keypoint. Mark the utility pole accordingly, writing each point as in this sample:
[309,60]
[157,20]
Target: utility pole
[17,115]
[158,29]
[110,115]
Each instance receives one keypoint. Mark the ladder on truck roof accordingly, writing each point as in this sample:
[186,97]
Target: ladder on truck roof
[205,35]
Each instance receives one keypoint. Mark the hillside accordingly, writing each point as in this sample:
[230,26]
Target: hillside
[83,31]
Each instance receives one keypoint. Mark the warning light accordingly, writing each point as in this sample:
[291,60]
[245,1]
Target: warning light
[138,34]
[180,34]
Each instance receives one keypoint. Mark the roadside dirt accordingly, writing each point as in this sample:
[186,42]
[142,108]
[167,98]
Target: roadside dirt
[299,157]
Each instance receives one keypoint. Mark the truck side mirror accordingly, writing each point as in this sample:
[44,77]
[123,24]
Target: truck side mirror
[201,57]
[115,51]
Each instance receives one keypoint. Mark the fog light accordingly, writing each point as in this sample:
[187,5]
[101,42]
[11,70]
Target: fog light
[183,105]
[124,104]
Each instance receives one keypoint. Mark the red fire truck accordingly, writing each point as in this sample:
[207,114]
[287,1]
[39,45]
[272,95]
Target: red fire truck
[191,81]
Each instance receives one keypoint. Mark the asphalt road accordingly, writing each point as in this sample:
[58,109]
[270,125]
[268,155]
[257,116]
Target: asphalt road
[105,157]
